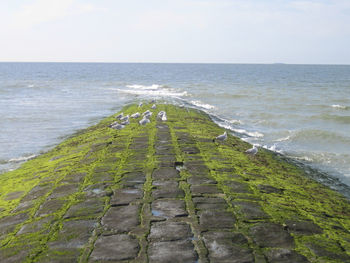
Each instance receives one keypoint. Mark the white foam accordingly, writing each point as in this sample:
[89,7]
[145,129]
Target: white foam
[283,139]
[143,87]
[251,134]
[22,158]
[233,121]
[31,86]
[337,106]
[154,92]
[202,105]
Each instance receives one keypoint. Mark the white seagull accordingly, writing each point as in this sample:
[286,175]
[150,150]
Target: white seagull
[162,115]
[140,104]
[144,121]
[125,118]
[120,116]
[118,126]
[222,137]
[125,122]
[135,115]
[153,106]
[252,151]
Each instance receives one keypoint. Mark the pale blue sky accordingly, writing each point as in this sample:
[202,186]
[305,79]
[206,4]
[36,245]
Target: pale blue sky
[213,31]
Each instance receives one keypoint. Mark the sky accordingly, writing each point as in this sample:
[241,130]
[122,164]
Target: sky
[176,31]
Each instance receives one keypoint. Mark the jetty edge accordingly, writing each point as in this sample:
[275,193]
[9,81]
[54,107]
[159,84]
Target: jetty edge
[166,192]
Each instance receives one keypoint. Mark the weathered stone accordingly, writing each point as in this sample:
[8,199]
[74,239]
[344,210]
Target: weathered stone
[237,187]
[225,170]
[209,203]
[214,219]
[74,178]
[196,180]
[271,235]
[98,190]
[102,177]
[133,178]
[24,206]
[168,208]
[167,189]
[190,150]
[35,226]
[172,251]
[64,190]
[121,219]
[74,234]
[303,227]
[14,254]
[321,251]
[114,248]
[104,168]
[197,169]
[13,195]
[169,231]
[251,210]
[282,255]
[198,190]
[91,208]
[49,207]
[125,196]
[37,192]
[8,223]
[233,238]
[166,158]
[270,189]
[165,174]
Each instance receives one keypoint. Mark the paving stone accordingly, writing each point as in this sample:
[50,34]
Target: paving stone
[74,178]
[125,196]
[270,189]
[251,210]
[73,234]
[64,190]
[237,187]
[9,223]
[169,231]
[168,208]
[13,195]
[321,251]
[98,190]
[225,170]
[227,247]
[303,227]
[121,219]
[103,168]
[167,189]
[87,208]
[214,219]
[190,149]
[197,169]
[166,158]
[35,226]
[14,254]
[49,207]
[114,248]
[282,255]
[209,203]
[198,190]
[271,235]
[172,251]
[247,197]
[196,180]
[165,174]
[102,177]
[133,179]
[37,192]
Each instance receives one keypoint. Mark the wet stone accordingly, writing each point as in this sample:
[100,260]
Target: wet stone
[64,190]
[172,251]
[166,158]
[24,206]
[121,219]
[133,178]
[49,207]
[8,223]
[198,190]
[227,247]
[303,227]
[169,208]
[13,195]
[196,180]
[88,208]
[169,231]
[270,189]
[208,203]
[74,178]
[126,196]
[165,174]
[237,187]
[98,190]
[321,251]
[114,248]
[282,255]
[197,169]
[102,177]
[213,219]
[251,210]
[37,192]
[35,226]
[74,234]
[271,235]
[167,189]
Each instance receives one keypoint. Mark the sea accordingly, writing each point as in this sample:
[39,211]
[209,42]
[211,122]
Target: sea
[301,112]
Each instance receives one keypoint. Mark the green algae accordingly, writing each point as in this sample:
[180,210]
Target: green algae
[103,155]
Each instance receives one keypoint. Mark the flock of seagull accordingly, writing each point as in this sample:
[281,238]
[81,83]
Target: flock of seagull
[125,120]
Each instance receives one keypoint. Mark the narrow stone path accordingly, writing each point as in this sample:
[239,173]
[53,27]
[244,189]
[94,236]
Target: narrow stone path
[165,192]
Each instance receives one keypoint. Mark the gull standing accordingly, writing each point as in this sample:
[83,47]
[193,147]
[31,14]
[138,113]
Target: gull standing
[120,116]
[125,122]
[140,104]
[252,151]
[153,106]
[125,118]
[144,121]
[222,137]
[135,115]
[118,126]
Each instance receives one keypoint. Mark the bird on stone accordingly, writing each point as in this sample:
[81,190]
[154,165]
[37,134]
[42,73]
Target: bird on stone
[112,124]
[162,115]
[222,137]
[148,115]
[118,126]
[153,106]
[120,115]
[135,115]
[252,151]
[125,118]
[125,122]
[144,121]
[164,118]
[140,104]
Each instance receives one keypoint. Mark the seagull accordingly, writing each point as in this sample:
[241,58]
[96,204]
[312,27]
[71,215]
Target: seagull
[144,121]
[146,112]
[118,126]
[148,115]
[125,118]
[135,115]
[222,137]
[140,104]
[112,124]
[120,116]
[125,122]
[252,151]
[164,118]
[153,106]
[162,115]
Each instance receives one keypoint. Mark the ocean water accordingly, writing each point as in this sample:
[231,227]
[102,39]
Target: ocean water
[300,111]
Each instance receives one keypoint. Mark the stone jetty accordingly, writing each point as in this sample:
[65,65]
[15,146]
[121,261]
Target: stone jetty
[167,192]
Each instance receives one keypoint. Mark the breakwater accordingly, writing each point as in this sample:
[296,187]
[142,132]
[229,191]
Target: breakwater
[167,192]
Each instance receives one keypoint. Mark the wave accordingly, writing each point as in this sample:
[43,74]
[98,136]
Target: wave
[21,159]
[250,134]
[202,105]
[143,87]
[283,139]
[332,117]
[154,90]
[337,106]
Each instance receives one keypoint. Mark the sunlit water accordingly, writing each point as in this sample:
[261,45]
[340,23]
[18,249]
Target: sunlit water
[302,111]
